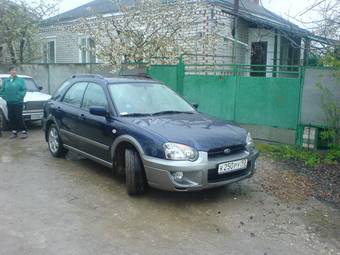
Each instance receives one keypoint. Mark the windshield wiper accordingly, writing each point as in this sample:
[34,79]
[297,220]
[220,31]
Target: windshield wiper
[135,114]
[171,112]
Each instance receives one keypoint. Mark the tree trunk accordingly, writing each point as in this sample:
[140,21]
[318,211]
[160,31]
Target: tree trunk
[12,52]
[21,50]
[22,45]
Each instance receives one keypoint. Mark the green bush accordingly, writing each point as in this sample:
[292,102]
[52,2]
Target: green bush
[333,155]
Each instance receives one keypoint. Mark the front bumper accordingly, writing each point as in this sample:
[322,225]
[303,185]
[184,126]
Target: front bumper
[32,115]
[198,175]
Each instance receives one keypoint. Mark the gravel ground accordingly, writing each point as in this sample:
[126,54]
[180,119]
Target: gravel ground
[75,206]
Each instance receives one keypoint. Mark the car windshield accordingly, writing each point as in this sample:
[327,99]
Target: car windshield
[137,99]
[29,82]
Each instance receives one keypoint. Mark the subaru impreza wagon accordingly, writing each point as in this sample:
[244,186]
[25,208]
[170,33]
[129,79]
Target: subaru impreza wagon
[146,132]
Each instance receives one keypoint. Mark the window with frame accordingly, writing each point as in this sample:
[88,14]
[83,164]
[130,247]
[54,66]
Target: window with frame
[94,96]
[87,50]
[49,51]
[75,94]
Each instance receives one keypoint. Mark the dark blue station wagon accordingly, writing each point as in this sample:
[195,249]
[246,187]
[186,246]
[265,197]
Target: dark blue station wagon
[143,130]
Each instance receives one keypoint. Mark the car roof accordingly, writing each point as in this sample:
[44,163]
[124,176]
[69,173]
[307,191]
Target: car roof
[130,80]
[118,79]
[21,76]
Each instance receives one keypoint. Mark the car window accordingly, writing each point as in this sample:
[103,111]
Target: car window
[75,94]
[94,96]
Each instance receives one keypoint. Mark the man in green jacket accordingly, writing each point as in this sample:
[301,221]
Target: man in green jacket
[13,92]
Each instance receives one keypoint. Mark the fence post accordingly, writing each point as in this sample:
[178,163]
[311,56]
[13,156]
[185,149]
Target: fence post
[180,76]
[298,139]
[48,78]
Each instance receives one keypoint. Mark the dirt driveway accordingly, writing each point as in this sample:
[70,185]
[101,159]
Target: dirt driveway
[74,206]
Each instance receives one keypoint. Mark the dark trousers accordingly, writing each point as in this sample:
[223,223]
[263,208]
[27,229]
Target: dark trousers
[16,121]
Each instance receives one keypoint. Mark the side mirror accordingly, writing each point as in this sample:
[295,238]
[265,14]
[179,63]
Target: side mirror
[40,88]
[99,111]
[195,106]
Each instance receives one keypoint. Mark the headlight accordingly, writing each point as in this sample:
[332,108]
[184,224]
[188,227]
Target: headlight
[175,151]
[249,140]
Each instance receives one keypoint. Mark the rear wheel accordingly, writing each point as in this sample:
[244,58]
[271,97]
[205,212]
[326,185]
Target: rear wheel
[3,121]
[54,142]
[134,172]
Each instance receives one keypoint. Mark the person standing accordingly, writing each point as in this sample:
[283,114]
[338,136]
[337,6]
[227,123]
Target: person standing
[13,92]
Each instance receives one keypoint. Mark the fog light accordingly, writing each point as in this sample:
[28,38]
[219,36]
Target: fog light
[178,176]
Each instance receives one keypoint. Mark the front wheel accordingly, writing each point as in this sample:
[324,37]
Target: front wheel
[54,142]
[135,176]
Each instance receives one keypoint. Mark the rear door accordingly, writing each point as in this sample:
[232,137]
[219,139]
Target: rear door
[68,112]
[96,131]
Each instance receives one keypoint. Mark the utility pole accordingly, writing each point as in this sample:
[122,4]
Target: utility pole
[235,32]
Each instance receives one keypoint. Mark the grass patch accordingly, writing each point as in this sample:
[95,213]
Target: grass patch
[308,157]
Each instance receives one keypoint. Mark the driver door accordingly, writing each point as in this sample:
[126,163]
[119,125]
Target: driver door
[96,131]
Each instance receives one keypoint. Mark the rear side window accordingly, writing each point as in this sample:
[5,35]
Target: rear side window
[75,94]
[94,96]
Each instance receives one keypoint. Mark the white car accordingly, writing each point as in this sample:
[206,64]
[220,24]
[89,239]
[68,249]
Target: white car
[33,102]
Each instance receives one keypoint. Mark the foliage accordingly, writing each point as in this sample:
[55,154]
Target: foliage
[308,157]
[19,23]
[147,31]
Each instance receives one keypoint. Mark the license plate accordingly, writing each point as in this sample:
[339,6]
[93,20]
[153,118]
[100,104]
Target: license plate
[36,116]
[232,166]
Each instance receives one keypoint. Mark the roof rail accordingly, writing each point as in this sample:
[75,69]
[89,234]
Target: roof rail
[87,76]
[141,75]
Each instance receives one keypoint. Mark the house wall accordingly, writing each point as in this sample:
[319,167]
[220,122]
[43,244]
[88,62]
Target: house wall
[210,21]
[242,52]
[266,35]
[67,49]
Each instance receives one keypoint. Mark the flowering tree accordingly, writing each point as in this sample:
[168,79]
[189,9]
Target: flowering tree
[147,31]
[19,24]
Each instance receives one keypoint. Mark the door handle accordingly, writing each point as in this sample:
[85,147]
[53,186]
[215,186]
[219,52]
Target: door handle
[59,109]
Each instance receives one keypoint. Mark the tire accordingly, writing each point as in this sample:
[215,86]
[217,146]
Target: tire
[54,142]
[134,173]
[3,122]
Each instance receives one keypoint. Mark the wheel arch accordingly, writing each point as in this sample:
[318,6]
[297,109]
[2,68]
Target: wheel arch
[123,142]
[49,122]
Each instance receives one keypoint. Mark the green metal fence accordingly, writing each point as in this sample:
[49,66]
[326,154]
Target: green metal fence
[231,93]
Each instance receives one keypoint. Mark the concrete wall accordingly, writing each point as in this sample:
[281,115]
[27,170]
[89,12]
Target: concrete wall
[311,110]
[50,76]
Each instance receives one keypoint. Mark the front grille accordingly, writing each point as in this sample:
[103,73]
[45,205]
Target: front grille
[214,177]
[35,105]
[220,151]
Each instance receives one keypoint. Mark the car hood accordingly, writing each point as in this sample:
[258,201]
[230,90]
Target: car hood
[36,96]
[197,130]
